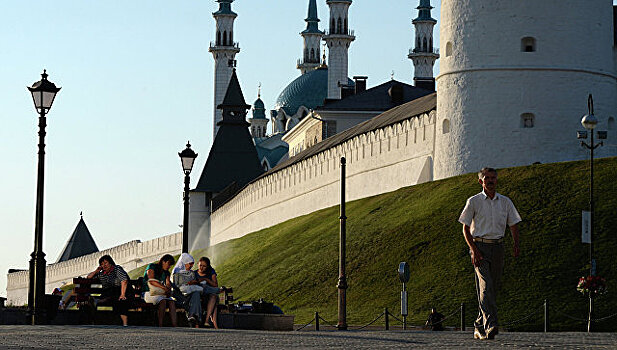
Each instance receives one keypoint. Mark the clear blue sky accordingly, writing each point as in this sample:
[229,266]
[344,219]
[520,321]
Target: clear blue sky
[137,80]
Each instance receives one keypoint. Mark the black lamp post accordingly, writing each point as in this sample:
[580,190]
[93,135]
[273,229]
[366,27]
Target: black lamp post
[43,94]
[589,121]
[188,159]
[342,277]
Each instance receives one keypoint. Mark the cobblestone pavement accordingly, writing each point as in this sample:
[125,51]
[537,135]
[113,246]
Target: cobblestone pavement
[112,337]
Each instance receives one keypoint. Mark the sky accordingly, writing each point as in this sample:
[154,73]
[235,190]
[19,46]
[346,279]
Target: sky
[137,83]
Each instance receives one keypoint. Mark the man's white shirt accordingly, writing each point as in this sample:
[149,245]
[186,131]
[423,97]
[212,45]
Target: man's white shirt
[487,217]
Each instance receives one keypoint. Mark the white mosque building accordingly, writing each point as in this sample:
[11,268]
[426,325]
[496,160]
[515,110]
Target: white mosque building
[513,83]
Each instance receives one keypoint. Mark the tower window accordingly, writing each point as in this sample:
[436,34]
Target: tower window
[231,38]
[448,49]
[424,45]
[528,44]
[445,127]
[312,54]
[218,37]
[611,123]
[345,28]
[339,28]
[332,26]
[225,38]
[528,120]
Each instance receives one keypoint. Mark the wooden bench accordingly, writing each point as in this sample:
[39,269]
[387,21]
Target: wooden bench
[86,290]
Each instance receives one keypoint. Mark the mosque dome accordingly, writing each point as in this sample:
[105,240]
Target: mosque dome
[308,90]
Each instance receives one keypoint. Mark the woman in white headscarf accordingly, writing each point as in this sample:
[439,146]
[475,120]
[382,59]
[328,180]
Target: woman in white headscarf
[184,278]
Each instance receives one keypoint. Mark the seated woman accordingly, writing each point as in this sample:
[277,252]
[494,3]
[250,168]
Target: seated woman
[157,285]
[115,282]
[206,276]
[184,278]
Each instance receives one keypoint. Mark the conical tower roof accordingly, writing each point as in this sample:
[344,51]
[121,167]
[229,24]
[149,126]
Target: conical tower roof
[80,243]
[233,157]
[234,99]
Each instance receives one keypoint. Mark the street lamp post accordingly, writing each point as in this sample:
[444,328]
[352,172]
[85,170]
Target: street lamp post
[187,156]
[342,278]
[43,94]
[589,121]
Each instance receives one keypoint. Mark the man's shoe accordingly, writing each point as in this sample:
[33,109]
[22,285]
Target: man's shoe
[477,334]
[492,333]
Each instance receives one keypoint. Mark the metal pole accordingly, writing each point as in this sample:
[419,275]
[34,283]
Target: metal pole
[185,223]
[546,320]
[591,267]
[36,292]
[387,319]
[404,305]
[462,317]
[342,279]
[316,320]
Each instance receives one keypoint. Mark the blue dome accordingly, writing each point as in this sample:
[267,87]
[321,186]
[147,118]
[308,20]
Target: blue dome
[308,90]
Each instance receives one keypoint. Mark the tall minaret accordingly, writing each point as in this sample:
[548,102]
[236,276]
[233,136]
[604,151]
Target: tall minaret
[224,51]
[423,55]
[312,38]
[338,38]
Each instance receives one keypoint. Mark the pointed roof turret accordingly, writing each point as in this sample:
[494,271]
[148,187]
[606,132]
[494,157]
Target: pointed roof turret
[233,157]
[312,20]
[234,99]
[80,243]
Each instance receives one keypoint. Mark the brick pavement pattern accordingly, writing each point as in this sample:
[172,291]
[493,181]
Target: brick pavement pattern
[115,337]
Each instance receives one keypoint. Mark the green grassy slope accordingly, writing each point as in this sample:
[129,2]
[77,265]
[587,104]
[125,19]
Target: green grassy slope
[295,263]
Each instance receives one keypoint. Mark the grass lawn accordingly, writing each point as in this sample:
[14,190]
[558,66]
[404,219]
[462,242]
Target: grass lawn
[295,263]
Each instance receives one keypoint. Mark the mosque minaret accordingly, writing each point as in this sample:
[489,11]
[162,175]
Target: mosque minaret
[423,55]
[224,51]
[312,39]
[338,38]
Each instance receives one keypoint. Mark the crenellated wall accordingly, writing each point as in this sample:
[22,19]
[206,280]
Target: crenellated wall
[378,161]
[129,255]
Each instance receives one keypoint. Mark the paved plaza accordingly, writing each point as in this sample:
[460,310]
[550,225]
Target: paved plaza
[113,337]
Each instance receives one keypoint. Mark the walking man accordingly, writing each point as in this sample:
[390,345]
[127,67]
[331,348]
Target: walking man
[484,220]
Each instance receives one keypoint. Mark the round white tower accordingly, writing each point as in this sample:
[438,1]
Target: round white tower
[514,80]
[224,51]
[312,39]
[338,38]
[423,54]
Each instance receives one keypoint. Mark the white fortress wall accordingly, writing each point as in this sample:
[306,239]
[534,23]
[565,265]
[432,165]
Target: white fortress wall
[542,63]
[379,161]
[129,255]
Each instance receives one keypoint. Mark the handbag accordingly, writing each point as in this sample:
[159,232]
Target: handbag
[156,290]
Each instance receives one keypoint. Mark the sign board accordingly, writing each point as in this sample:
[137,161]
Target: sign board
[586,227]
[403,272]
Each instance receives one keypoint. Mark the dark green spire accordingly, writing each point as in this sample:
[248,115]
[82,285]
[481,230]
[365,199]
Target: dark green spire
[312,19]
[424,11]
